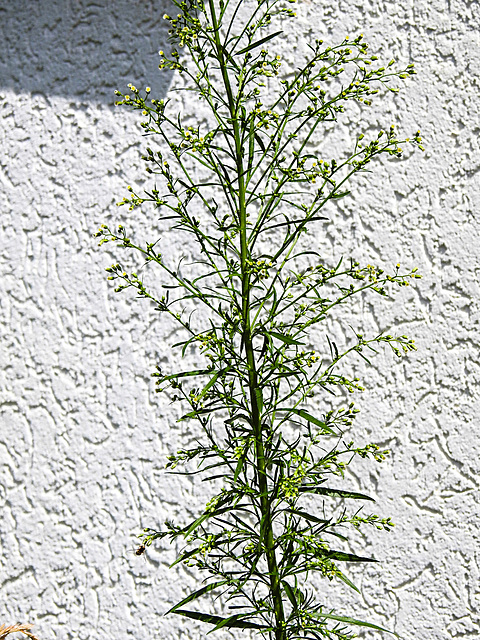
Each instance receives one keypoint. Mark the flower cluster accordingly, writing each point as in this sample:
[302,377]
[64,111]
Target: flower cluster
[290,484]
[374,520]
[259,268]
[264,66]
[371,449]
[172,63]
[184,29]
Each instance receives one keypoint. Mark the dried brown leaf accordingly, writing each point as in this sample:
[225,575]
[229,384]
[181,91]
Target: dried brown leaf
[16,628]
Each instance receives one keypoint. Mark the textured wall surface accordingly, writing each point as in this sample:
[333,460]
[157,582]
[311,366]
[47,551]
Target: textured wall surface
[83,436]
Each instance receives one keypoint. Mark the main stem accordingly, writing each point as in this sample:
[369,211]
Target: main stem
[266,527]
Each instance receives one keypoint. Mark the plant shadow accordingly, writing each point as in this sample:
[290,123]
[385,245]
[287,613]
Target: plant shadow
[82,49]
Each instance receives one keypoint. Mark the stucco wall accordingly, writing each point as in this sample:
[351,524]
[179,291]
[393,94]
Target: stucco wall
[83,436]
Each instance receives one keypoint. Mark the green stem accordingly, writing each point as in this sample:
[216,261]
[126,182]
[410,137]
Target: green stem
[266,526]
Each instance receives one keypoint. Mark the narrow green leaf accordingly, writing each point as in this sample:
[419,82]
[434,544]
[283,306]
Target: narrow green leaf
[337,535]
[196,413]
[359,623]
[259,396]
[251,143]
[345,557]
[260,142]
[256,44]
[290,594]
[340,195]
[337,493]
[232,621]
[306,516]
[197,594]
[332,346]
[238,468]
[285,339]
[307,416]
[218,475]
[184,374]
[196,523]
[239,416]
[215,511]
[212,381]
[184,556]
[291,222]
[347,581]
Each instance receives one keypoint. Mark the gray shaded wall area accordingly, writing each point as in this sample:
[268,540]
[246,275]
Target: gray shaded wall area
[83,49]
[83,436]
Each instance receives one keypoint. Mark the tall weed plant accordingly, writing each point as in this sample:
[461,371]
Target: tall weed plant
[272,414]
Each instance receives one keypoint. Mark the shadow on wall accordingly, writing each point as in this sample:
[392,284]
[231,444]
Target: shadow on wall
[83,49]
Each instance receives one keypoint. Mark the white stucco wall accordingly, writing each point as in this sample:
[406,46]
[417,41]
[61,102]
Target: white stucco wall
[83,436]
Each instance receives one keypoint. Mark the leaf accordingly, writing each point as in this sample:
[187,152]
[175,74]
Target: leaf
[282,224]
[183,557]
[239,416]
[184,374]
[347,581]
[290,594]
[212,381]
[359,623]
[238,468]
[258,43]
[260,142]
[197,594]
[232,621]
[259,396]
[197,522]
[285,339]
[307,416]
[333,346]
[226,53]
[345,557]
[251,143]
[339,493]
[196,413]
[227,622]
[218,475]
[337,535]
[215,511]
[340,195]
[306,516]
